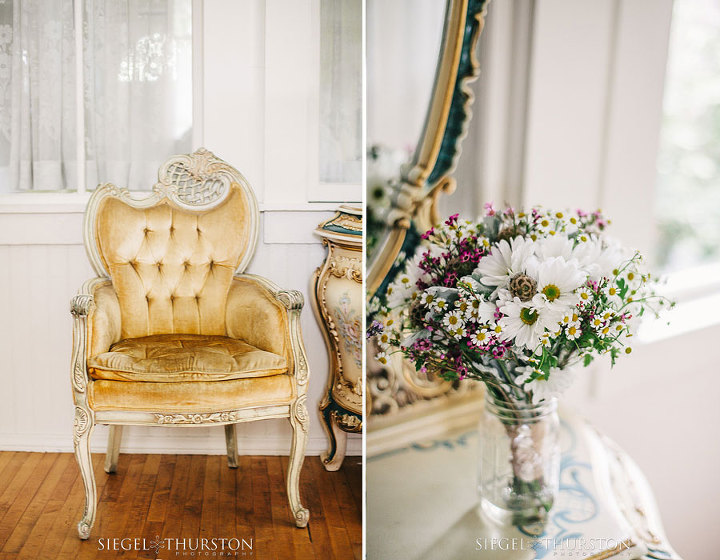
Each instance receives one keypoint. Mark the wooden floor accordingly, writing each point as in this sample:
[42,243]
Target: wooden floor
[177,497]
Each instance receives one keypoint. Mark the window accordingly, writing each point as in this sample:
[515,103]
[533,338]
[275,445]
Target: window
[688,192]
[687,197]
[340,101]
[133,66]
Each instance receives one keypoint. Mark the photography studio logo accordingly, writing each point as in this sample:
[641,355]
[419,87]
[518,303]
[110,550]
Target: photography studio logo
[215,547]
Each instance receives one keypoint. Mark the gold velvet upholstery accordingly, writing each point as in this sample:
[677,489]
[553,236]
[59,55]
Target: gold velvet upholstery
[171,268]
[255,316]
[193,396]
[171,332]
[173,312]
[183,357]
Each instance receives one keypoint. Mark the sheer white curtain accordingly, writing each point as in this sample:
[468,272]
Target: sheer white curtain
[138,88]
[341,91]
[37,81]
[137,91]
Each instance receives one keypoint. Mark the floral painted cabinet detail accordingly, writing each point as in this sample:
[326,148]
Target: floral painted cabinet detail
[337,302]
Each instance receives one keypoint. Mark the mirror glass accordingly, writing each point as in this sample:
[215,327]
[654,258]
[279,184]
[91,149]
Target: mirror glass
[402,54]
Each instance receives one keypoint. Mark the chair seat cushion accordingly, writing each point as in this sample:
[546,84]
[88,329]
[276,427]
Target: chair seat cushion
[191,396]
[184,357]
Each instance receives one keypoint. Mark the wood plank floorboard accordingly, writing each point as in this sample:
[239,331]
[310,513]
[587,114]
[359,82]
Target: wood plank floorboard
[171,498]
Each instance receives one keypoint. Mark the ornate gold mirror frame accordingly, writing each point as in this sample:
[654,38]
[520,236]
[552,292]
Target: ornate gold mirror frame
[400,400]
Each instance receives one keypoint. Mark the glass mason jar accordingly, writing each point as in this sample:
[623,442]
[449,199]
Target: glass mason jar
[519,466]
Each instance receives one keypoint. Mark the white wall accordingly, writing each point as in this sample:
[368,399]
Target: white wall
[256,116]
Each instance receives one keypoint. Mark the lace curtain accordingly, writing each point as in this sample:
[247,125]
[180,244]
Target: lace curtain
[341,91]
[137,97]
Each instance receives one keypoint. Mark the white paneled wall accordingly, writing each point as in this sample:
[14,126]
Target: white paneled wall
[43,263]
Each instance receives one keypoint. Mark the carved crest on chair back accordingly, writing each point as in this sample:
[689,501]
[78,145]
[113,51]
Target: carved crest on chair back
[195,182]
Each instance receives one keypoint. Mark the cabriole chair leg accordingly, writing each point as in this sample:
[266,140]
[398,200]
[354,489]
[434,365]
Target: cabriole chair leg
[113,448]
[299,421]
[82,428]
[231,444]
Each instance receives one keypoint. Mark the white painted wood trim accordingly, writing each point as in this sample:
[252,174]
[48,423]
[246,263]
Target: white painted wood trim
[167,442]
[79,96]
[198,77]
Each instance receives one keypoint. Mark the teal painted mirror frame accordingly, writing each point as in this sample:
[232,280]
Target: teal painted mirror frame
[428,173]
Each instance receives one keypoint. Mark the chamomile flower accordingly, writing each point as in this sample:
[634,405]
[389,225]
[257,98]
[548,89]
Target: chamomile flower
[604,331]
[480,337]
[569,317]
[462,306]
[383,339]
[458,332]
[545,341]
[427,298]
[585,295]
[454,320]
[612,293]
[382,357]
[573,330]
[440,305]
[544,224]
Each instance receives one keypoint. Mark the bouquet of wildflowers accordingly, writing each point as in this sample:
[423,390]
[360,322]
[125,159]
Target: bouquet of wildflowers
[515,300]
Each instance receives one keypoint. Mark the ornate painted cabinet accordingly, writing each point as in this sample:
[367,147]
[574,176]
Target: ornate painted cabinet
[337,301]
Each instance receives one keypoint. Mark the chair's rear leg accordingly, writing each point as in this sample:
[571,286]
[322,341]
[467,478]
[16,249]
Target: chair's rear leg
[231,444]
[113,448]
[82,428]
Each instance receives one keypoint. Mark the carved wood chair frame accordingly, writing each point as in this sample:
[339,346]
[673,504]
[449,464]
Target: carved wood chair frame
[212,180]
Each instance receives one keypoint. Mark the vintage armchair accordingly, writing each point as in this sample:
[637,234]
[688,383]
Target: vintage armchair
[171,332]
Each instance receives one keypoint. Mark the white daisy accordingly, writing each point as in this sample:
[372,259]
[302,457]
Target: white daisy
[505,261]
[572,330]
[557,280]
[554,246]
[480,337]
[525,323]
[545,341]
[546,386]
[427,298]
[458,332]
[383,339]
[605,331]
[612,292]
[454,320]
[585,295]
[600,258]
[440,305]
[570,317]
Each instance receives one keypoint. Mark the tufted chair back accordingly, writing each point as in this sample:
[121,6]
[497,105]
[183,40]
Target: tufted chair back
[171,257]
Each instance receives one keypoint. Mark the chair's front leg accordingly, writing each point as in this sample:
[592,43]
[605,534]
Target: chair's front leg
[84,421]
[231,445]
[300,422]
[82,428]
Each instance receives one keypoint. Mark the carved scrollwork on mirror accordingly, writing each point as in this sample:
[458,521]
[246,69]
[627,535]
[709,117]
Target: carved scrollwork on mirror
[397,391]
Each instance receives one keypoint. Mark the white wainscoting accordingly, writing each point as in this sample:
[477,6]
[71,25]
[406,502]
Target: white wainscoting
[43,263]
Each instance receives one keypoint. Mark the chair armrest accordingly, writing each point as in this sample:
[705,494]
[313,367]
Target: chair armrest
[96,325]
[263,315]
